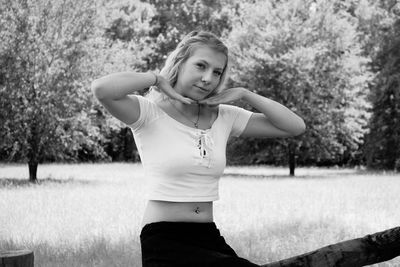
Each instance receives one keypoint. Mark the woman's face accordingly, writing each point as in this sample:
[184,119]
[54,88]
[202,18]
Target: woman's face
[201,73]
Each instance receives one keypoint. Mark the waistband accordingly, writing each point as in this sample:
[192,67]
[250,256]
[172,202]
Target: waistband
[181,228]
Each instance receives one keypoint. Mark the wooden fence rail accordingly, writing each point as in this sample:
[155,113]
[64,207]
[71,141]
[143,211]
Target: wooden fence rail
[370,249]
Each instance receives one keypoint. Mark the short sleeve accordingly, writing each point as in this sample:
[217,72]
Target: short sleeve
[147,111]
[239,117]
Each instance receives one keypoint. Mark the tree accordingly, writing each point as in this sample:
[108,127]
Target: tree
[175,18]
[382,149]
[120,42]
[306,55]
[42,91]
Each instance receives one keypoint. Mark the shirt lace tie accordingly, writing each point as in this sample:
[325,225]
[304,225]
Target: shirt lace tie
[205,145]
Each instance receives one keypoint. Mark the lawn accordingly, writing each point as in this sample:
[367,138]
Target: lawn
[90,214]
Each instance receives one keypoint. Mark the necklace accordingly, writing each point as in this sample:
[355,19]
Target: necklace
[195,123]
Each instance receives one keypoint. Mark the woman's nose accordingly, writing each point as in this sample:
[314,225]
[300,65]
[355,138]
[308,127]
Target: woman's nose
[207,76]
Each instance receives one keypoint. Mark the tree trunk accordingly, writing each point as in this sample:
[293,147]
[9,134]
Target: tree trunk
[33,150]
[16,258]
[33,165]
[292,157]
[371,249]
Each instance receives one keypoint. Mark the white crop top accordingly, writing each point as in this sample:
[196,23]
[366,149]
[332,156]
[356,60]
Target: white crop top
[184,164]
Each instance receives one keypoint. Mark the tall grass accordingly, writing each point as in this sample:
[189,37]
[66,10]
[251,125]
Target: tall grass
[90,215]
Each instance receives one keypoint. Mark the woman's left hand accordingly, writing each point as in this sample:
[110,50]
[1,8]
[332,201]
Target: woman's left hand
[226,96]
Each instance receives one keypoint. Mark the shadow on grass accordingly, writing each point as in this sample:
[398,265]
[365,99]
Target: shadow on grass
[17,182]
[308,176]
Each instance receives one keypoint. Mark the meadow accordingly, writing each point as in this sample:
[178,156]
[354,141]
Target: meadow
[90,214]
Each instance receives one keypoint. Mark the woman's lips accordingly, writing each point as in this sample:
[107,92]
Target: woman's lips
[201,88]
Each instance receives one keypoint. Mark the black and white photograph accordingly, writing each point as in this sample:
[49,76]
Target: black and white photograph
[199,133]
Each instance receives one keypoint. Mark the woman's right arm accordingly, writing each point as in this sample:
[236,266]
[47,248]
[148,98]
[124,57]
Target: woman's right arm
[112,92]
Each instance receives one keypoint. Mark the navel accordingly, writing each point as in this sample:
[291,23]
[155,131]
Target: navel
[197,210]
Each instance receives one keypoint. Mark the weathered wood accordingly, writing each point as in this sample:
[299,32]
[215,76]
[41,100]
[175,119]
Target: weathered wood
[16,258]
[371,249]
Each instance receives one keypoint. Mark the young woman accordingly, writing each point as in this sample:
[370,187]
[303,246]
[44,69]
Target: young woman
[181,129]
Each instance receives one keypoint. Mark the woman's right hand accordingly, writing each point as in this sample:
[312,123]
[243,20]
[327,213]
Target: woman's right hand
[164,86]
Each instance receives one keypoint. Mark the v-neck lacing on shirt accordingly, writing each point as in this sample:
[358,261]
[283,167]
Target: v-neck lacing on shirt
[205,145]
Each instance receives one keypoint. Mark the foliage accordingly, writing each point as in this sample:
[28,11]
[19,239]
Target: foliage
[320,58]
[382,149]
[119,43]
[306,55]
[176,18]
[42,90]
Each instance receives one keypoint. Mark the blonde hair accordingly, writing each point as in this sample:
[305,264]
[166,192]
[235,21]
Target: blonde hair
[182,52]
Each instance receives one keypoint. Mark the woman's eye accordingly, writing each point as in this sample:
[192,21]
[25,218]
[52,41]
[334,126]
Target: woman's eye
[200,66]
[218,73]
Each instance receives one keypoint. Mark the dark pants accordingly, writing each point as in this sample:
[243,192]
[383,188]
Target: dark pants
[179,244]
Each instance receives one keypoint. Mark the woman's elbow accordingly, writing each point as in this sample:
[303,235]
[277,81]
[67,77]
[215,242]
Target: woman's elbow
[300,129]
[96,89]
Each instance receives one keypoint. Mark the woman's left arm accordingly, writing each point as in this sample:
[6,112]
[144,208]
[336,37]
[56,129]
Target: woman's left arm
[275,120]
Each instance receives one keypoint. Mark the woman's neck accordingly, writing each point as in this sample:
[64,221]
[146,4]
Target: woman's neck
[189,109]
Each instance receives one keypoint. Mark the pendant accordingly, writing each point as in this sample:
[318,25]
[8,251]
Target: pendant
[197,210]
[196,125]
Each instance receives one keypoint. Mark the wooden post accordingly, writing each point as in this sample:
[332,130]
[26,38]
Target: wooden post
[370,249]
[16,258]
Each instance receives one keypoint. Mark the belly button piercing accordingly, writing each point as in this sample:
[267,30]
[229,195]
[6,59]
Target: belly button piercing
[197,210]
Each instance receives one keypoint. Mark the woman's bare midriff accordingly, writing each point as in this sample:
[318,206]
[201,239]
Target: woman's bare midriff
[157,211]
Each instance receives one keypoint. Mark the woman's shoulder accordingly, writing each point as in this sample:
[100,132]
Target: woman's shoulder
[228,109]
[149,111]
[232,112]
[145,101]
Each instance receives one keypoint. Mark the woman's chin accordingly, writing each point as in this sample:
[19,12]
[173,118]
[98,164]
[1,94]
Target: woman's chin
[199,97]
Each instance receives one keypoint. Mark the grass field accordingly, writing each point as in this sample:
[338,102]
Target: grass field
[89,215]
